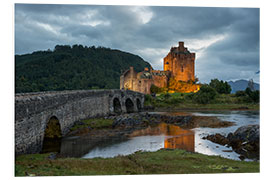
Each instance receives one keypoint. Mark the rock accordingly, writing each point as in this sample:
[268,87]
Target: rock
[248,133]
[247,137]
[217,138]
[245,141]
[52,156]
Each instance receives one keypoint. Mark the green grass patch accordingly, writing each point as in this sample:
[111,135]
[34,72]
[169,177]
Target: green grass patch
[160,162]
[186,101]
[95,123]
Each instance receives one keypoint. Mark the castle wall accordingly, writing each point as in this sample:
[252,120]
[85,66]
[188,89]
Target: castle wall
[167,63]
[132,80]
[183,68]
[180,62]
[128,80]
[160,81]
[142,85]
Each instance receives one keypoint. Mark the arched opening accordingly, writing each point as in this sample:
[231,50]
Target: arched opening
[139,105]
[52,136]
[129,106]
[117,106]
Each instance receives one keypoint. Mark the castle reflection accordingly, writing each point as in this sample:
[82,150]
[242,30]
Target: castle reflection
[176,137]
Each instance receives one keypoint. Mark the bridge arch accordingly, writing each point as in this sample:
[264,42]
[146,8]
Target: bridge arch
[52,136]
[117,106]
[129,105]
[53,128]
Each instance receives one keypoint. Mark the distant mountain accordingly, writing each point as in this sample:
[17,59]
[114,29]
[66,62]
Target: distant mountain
[241,85]
[72,68]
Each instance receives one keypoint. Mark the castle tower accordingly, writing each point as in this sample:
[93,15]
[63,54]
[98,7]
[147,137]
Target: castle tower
[180,62]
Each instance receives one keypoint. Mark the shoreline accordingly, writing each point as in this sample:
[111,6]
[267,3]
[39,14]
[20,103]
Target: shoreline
[200,109]
[207,107]
[122,125]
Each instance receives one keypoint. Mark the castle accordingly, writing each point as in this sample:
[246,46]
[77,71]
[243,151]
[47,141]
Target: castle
[178,74]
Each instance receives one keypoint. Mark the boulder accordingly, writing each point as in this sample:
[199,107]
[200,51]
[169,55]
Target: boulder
[248,133]
[217,138]
[245,141]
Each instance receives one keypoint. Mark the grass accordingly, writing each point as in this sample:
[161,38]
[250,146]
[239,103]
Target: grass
[178,101]
[160,162]
[95,123]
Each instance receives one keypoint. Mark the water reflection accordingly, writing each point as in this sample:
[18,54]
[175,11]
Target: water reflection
[175,137]
[161,136]
[149,139]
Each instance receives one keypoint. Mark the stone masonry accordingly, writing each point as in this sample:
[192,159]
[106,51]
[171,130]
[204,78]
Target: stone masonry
[34,110]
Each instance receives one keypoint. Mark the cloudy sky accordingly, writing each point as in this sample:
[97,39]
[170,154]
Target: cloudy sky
[225,40]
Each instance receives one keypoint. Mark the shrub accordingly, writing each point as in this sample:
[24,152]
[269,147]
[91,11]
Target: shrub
[148,100]
[253,95]
[167,96]
[174,100]
[155,89]
[240,93]
[248,96]
[205,94]
[189,96]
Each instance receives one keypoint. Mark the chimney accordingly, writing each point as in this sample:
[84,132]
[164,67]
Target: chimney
[181,46]
[131,71]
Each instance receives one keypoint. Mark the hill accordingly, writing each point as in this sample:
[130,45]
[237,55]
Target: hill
[76,67]
[241,85]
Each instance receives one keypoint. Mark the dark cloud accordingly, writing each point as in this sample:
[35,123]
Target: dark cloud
[226,40]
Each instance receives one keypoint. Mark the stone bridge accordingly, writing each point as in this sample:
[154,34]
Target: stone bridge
[34,111]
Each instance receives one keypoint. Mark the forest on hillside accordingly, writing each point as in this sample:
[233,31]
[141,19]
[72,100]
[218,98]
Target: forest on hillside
[73,68]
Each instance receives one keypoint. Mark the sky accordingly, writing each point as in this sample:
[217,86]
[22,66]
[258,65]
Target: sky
[226,40]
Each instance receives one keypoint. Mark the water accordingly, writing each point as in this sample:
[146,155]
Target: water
[163,136]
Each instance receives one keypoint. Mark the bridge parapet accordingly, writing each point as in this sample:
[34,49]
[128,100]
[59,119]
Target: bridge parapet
[27,104]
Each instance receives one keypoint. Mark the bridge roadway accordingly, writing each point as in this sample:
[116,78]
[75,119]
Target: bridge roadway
[33,112]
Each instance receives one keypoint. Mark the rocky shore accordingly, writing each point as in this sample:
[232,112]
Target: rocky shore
[126,123]
[187,121]
[245,141]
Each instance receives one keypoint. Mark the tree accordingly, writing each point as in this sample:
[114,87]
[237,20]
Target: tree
[73,67]
[205,94]
[253,95]
[220,86]
[248,96]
